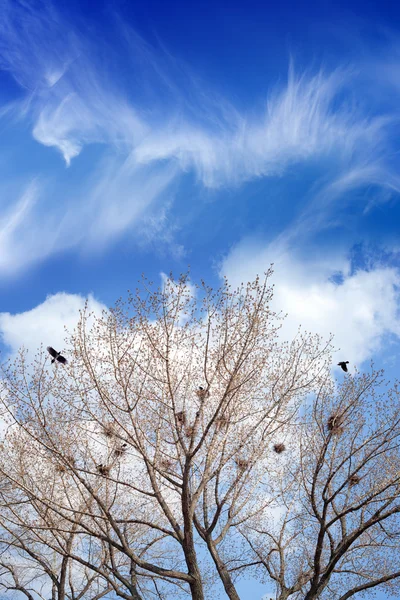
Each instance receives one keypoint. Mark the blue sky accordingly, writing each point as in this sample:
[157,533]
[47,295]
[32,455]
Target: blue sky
[149,136]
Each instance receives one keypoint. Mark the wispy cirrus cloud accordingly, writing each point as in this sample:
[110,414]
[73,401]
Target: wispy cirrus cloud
[160,123]
[37,224]
[16,222]
[301,121]
[77,102]
[331,198]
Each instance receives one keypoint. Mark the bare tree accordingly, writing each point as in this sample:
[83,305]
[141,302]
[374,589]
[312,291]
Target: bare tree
[35,550]
[336,532]
[153,459]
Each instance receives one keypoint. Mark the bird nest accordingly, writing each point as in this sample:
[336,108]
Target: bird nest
[335,424]
[109,430]
[60,468]
[118,452]
[354,480]
[103,470]
[279,448]
[202,393]
[189,431]
[242,463]
[166,464]
[181,417]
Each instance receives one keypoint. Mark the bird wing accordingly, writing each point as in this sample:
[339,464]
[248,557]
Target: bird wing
[62,360]
[51,351]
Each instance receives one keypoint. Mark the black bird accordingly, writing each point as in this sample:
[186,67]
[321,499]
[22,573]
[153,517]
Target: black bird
[56,356]
[343,364]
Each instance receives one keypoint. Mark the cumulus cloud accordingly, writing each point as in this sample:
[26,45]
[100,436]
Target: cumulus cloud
[45,324]
[324,295]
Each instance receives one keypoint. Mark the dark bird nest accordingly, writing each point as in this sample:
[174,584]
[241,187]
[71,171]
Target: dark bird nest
[202,393]
[60,468]
[303,578]
[189,431]
[118,452]
[335,424]
[242,463]
[109,430]
[354,480]
[279,448]
[166,464]
[181,417]
[103,470]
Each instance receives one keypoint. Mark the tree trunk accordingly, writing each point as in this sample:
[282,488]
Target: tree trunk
[133,590]
[313,594]
[196,585]
[63,579]
[222,571]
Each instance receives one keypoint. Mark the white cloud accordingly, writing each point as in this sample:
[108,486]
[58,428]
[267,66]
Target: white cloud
[119,198]
[159,124]
[116,197]
[328,204]
[201,132]
[81,111]
[43,326]
[13,221]
[164,118]
[301,121]
[45,323]
[360,310]
[27,231]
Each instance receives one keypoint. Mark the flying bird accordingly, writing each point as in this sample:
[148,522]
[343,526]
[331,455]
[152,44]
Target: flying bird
[343,364]
[56,356]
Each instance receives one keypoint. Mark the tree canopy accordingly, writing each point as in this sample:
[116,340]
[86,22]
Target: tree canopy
[186,445]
